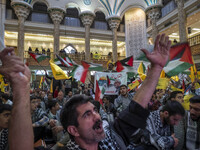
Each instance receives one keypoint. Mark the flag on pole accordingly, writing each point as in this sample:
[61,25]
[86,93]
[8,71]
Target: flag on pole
[163,83]
[2,86]
[141,71]
[58,73]
[66,61]
[79,73]
[134,84]
[41,81]
[97,92]
[125,65]
[179,61]
[38,57]
[162,74]
[108,81]
[92,66]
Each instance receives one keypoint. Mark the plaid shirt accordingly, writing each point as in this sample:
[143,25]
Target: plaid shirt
[160,133]
[39,118]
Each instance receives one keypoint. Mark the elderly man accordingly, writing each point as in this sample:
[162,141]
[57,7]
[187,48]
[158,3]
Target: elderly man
[80,117]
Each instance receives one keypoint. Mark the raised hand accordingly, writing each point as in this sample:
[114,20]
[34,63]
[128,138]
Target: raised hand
[12,66]
[160,54]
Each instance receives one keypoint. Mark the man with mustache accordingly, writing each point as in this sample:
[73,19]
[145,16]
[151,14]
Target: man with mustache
[80,118]
[85,126]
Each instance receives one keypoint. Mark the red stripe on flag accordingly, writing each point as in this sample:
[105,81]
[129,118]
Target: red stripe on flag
[119,66]
[97,92]
[84,75]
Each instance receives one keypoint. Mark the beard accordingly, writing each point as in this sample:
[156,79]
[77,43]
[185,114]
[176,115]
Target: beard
[194,117]
[166,121]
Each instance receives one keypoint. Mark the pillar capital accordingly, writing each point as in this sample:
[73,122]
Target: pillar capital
[153,12]
[179,3]
[56,15]
[87,18]
[21,10]
[114,23]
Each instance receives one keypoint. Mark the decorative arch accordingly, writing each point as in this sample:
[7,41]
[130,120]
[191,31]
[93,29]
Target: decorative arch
[130,7]
[73,5]
[101,9]
[41,1]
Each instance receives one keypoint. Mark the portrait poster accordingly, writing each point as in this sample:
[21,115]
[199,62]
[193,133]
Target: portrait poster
[115,78]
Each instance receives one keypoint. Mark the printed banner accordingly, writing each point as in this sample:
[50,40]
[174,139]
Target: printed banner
[116,79]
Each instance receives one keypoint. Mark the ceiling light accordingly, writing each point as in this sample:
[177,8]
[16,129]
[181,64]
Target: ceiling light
[196,29]
[174,34]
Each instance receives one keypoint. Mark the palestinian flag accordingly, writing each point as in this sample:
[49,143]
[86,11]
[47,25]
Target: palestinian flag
[108,81]
[66,61]
[92,66]
[98,93]
[38,57]
[180,60]
[125,65]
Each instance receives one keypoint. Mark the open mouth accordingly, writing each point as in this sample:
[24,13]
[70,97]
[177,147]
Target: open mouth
[98,126]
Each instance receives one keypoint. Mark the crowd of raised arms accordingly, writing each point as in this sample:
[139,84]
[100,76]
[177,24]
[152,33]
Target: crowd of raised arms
[146,118]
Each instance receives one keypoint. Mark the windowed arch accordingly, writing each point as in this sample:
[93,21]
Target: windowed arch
[40,13]
[100,21]
[72,17]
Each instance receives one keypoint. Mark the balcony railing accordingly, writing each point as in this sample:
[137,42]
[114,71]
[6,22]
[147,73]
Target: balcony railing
[195,44]
[194,40]
[102,59]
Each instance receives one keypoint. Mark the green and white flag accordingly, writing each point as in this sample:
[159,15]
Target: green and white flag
[38,57]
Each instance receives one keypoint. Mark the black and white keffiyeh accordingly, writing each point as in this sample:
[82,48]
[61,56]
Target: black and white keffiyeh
[109,143]
[3,139]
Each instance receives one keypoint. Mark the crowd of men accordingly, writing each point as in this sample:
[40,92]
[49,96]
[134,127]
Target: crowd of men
[145,119]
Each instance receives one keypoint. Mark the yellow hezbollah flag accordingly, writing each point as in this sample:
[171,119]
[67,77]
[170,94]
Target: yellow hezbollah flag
[186,103]
[175,78]
[41,80]
[51,88]
[162,83]
[192,73]
[58,73]
[2,85]
[133,85]
[173,88]
[162,74]
[1,78]
[141,71]
[96,56]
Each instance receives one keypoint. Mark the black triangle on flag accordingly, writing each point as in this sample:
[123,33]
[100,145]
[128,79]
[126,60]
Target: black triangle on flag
[127,61]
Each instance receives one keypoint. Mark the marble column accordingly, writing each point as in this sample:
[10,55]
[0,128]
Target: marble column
[114,24]
[22,11]
[2,20]
[154,13]
[181,20]
[56,16]
[87,20]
